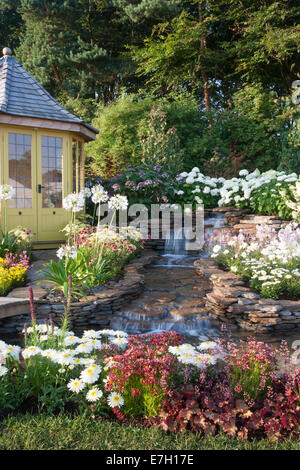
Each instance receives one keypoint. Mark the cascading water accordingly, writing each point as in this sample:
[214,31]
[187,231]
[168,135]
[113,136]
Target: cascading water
[173,296]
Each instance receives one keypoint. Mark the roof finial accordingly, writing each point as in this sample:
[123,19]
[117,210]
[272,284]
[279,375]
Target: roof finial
[7,51]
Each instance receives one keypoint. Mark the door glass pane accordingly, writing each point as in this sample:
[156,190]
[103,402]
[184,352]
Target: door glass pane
[75,166]
[80,165]
[51,172]
[19,157]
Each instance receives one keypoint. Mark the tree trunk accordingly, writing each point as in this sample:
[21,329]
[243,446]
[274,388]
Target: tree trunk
[207,99]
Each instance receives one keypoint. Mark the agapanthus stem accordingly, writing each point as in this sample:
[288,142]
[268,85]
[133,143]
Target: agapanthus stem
[67,304]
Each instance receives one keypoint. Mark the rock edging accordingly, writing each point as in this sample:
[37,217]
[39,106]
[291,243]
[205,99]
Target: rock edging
[96,309]
[232,302]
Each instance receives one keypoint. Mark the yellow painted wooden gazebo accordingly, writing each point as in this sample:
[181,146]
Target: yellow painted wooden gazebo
[41,152]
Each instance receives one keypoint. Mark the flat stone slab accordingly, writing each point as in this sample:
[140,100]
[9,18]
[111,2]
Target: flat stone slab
[10,307]
[22,292]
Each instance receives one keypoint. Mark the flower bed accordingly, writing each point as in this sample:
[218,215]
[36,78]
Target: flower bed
[270,260]
[269,193]
[234,303]
[142,186]
[216,386]
[95,309]
[92,255]
[12,273]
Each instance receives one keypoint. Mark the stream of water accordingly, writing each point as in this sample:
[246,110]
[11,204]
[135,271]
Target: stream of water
[173,297]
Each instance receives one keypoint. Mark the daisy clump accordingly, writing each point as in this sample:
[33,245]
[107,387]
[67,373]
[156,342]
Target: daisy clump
[240,389]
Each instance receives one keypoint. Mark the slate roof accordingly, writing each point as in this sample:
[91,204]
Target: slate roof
[22,95]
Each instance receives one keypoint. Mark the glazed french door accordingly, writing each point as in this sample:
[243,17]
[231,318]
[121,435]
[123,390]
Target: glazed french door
[51,166]
[20,162]
[37,162]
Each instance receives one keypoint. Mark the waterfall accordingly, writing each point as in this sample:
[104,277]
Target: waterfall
[170,300]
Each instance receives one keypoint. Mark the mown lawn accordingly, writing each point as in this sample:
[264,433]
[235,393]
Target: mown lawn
[39,432]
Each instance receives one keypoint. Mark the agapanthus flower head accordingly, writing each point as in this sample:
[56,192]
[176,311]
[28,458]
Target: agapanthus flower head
[67,251]
[118,202]
[74,202]
[6,192]
[99,194]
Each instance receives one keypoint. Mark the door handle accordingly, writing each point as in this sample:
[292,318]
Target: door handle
[39,188]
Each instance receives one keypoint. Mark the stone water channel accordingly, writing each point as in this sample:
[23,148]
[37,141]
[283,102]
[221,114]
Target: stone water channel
[173,298]
[173,295]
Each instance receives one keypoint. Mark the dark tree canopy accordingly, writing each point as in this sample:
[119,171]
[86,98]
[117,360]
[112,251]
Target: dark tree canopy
[233,60]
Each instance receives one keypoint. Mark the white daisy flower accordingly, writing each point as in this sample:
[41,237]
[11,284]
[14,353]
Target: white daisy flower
[84,348]
[207,345]
[3,371]
[90,375]
[115,399]
[30,351]
[76,385]
[94,394]
[12,351]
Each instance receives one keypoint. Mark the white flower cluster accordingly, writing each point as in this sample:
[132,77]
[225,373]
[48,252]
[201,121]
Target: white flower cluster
[235,190]
[188,354]
[66,251]
[74,202]
[6,192]
[73,353]
[270,258]
[118,202]
[99,194]
[294,205]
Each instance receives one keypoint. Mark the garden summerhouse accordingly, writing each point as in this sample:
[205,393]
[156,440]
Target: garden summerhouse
[41,152]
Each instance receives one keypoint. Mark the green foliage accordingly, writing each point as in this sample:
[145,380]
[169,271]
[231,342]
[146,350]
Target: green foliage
[58,272]
[75,48]
[252,133]
[147,403]
[161,146]
[9,244]
[16,242]
[125,136]
[217,69]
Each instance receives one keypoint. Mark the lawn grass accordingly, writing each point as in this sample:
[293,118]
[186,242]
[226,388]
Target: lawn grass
[62,432]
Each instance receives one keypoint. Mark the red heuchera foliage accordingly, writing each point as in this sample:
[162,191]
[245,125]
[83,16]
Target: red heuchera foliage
[147,358]
[255,393]
[214,406]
